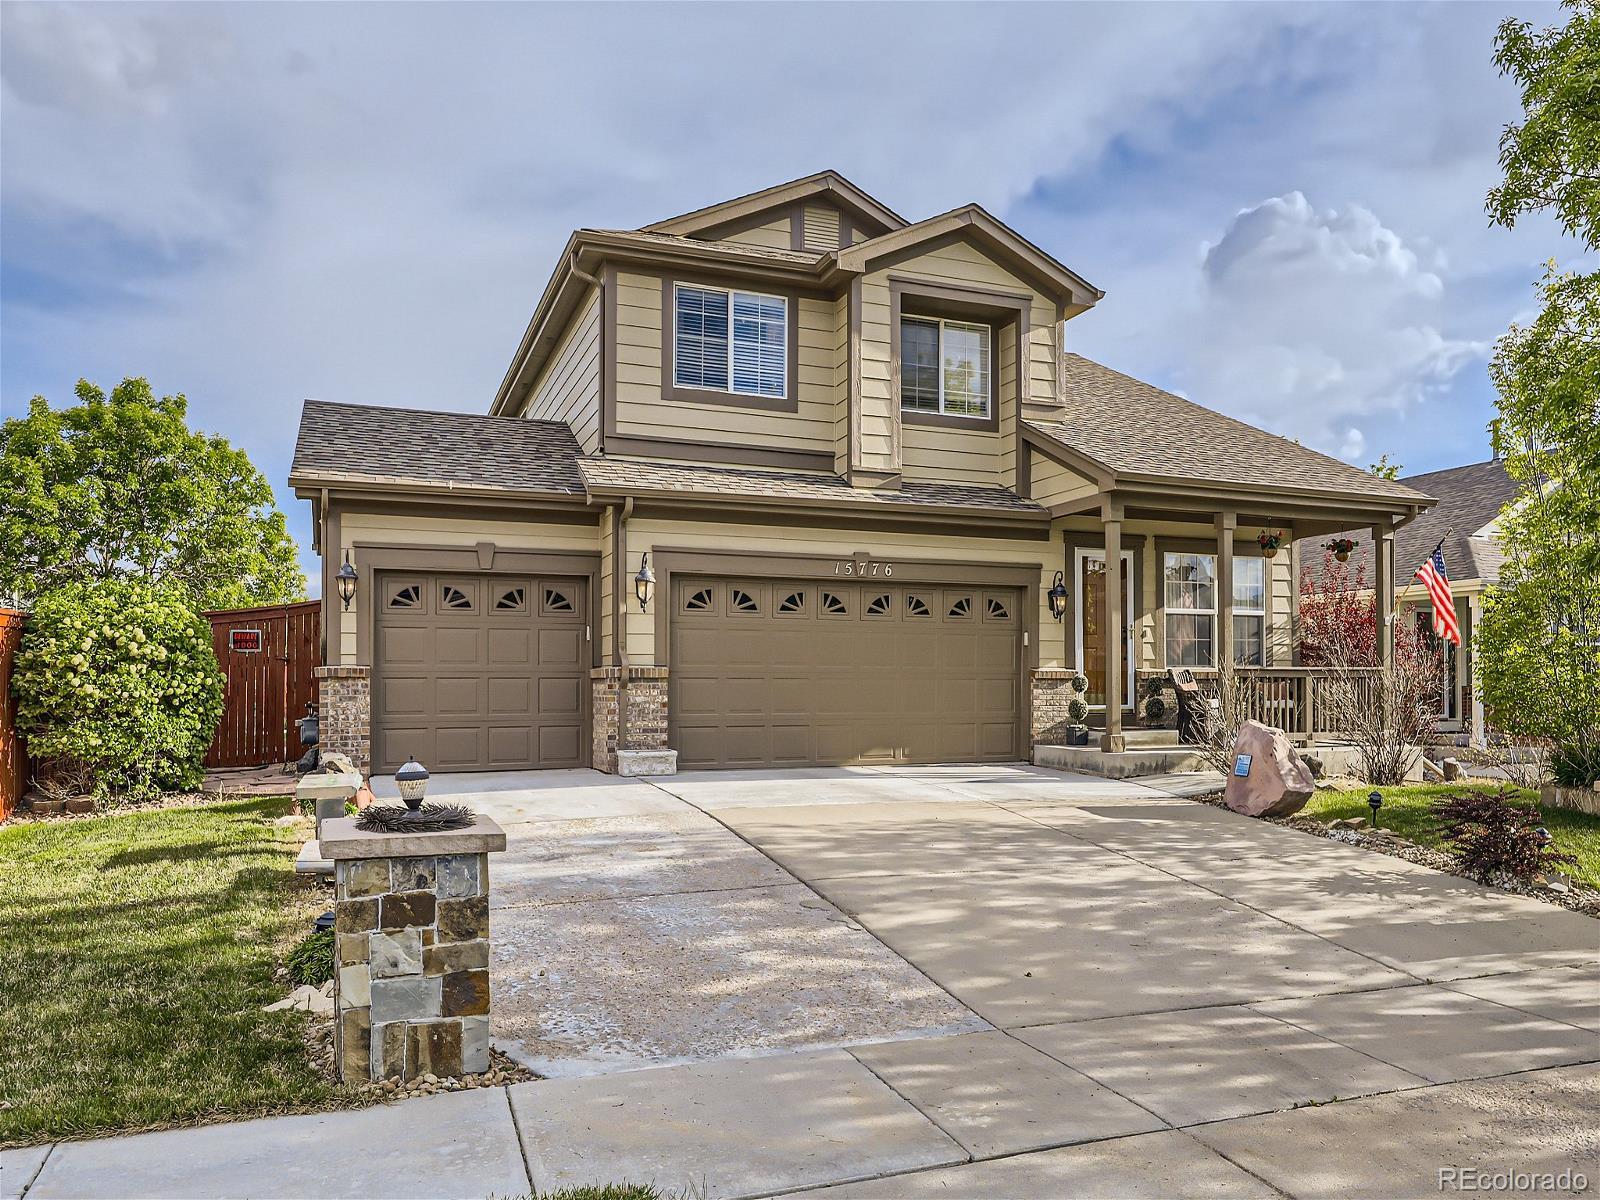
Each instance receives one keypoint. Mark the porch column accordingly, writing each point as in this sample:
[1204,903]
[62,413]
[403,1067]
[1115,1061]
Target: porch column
[1480,735]
[1227,522]
[1383,582]
[1111,515]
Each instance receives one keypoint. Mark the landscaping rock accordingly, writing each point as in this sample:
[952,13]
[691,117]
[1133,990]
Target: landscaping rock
[308,998]
[1452,769]
[1275,783]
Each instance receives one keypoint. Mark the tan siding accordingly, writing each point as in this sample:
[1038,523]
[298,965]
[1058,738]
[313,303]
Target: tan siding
[1053,483]
[841,383]
[407,529]
[569,388]
[880,409]
[641,411]
[1281,584]
[608,520]
[645,534]
[775,235]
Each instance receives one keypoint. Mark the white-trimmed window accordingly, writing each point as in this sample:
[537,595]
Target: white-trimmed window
[944,367]
[730,341]
[1190,583]
[1250,612]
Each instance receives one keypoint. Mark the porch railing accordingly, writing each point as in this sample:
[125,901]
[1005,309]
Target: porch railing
[1305,702]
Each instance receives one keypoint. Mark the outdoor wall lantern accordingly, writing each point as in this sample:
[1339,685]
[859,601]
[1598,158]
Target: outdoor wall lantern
[1057,595]
[1375,802]
[346,579]
[644,583]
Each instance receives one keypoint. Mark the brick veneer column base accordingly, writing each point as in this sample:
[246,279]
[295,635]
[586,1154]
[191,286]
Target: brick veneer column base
[644,696]
[1052,693]
[344,709]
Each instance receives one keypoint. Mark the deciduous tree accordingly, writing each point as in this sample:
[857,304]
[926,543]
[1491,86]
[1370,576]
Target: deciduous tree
[119,487]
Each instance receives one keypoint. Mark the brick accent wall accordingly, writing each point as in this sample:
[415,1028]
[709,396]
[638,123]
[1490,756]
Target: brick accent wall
[344,705]
[645,697]
[411,939]
[1052,692]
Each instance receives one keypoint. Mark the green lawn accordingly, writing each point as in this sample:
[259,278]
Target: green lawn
[138,950]
[1405,810]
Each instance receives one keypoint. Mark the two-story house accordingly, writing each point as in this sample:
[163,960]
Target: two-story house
[792,480]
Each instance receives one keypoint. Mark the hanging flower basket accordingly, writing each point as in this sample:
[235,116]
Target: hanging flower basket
[1269,540]
[1341,548]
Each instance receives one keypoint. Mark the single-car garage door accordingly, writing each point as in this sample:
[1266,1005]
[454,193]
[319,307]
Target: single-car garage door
[789,673]
[480,672]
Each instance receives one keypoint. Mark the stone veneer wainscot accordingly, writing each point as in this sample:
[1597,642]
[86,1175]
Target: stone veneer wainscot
[411,943]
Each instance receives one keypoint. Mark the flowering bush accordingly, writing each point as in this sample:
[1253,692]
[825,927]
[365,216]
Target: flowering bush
[118,689]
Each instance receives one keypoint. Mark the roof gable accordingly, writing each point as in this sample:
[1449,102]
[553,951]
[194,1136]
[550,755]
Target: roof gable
[972,223]
[742,211]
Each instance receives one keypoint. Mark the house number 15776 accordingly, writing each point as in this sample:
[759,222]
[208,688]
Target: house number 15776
[863,567]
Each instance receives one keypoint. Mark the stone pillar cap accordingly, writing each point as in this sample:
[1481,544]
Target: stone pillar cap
[328,785]
[340,839]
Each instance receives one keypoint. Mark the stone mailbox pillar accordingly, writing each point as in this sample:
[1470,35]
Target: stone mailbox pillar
[411,949]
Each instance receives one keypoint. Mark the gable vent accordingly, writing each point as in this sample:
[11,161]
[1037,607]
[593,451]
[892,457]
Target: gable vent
[822,228]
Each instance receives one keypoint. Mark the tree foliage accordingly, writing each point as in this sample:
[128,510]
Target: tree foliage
[1384,469]
[118,691]
[1539,640]
[120,487]
[1551,160]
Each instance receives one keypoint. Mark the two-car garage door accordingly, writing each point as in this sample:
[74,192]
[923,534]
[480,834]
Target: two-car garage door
[480,672]
[800,672]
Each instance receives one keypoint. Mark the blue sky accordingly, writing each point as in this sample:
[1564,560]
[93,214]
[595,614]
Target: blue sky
[254,204]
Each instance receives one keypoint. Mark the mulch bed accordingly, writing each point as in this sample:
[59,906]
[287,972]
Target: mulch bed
[1576,896]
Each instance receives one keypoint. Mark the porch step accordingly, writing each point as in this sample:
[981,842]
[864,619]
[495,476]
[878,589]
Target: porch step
[1124,764]
[1144,739]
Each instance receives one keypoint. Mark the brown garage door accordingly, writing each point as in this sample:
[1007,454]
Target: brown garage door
[480,672]
[804,672]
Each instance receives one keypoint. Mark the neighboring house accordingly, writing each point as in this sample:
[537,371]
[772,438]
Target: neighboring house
[855,454]
[1470,500]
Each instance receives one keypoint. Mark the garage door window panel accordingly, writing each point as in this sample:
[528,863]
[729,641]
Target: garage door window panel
[511,599]
[793,605]
[558,602]
[457,596]
[747,601]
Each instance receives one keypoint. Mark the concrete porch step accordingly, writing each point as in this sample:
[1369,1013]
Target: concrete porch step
[1126,764]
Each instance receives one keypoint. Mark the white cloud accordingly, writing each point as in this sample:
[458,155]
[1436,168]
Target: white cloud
[1308,320]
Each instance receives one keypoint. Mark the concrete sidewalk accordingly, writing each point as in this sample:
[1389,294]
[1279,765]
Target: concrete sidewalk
[814,1120]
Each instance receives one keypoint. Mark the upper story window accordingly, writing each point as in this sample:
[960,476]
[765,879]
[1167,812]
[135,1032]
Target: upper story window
[730,341]
[944,367]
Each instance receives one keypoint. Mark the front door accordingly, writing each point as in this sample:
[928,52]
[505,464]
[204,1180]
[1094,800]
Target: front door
[1089,570]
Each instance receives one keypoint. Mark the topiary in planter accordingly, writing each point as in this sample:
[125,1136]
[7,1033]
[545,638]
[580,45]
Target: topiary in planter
[1077,710]
[117,684]
[1080,683]
[1155,709]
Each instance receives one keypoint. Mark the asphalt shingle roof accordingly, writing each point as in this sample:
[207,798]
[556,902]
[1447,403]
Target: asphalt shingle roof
[361,442]
[1470,497]
[1134,427]
[620,474]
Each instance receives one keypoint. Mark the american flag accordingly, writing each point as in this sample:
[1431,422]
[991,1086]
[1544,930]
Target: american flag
[1436,579]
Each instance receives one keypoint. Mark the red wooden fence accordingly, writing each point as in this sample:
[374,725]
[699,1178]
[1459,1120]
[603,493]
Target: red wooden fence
[13,758]
[268,655]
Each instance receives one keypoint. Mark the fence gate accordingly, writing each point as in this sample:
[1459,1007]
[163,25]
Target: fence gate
[268,656]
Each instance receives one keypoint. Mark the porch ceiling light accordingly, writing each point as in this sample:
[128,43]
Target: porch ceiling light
[346,579]
[1057,595]
[644,583]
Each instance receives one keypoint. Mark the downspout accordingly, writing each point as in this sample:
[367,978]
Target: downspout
[619,611]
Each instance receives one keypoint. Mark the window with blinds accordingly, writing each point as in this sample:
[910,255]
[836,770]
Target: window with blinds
[730,341]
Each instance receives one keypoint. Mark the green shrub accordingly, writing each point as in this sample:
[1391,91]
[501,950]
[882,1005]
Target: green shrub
[1077,710]
[312,960]
[117,687]
[1080,683]
[1575,766]
[1155,708]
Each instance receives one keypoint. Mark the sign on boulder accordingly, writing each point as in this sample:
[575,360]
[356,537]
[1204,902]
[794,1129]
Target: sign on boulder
[1268,779]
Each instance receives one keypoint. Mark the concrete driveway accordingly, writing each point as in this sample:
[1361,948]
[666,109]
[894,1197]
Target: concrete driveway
[952,981]
[1003,960]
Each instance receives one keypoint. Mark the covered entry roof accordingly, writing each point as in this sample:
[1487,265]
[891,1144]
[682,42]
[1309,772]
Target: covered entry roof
[1123,430]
